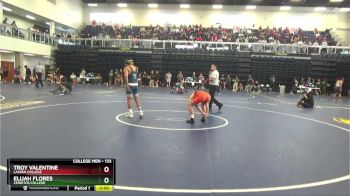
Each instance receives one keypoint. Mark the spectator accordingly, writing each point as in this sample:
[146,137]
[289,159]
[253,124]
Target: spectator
[157,79]
[110,76]
[168,77]
[14,29]
[1,74]
[235,84]
[5,71]
[17,75]
[4,27]
[73,78]
[152,79]
[228,82]
[83,76]
[180,76]
[199,33]
[39,73]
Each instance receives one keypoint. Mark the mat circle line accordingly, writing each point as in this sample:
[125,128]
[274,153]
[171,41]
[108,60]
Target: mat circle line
[172,129]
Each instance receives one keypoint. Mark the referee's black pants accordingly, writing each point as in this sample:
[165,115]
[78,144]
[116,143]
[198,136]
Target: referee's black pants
[212,90]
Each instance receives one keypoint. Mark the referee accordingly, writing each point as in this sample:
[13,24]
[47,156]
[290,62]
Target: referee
[214,86]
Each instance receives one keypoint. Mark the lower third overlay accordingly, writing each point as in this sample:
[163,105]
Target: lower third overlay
[74,174]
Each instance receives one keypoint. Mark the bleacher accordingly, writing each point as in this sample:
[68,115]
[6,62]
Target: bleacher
[71,58]
[285,69]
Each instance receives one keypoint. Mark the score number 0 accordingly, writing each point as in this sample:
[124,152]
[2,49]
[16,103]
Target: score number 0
[106,170]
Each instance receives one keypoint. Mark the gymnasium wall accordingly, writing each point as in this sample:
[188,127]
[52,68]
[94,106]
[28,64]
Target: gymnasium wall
[343,27]
[229,16]
[30,61]
[67,12]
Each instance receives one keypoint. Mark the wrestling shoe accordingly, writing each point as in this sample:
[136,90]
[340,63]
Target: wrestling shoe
[190,121]
[220,107]
[141,113]
[203,119]
[129,115]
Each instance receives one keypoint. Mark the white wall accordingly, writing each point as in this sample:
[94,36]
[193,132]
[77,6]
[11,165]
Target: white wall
[7,57]
[67,12]
[342,29]
[19,45]
[230,16]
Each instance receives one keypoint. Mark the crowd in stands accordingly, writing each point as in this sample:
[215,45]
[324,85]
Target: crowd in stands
[215,34]
[34,31]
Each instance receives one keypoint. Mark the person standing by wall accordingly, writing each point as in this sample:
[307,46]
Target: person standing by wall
[228,82]
[152,78]
[156,79]
[110,75]
[1,73]
[28,74]
[180,76]
[168,79]
[39,72]
[5,71]
[17,78]
[235,84]
[213,86]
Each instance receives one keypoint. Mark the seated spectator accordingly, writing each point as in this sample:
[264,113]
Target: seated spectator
[82,76]
[73,78]
[200,33]
[307,101]
[17,78]
[178,88]
[324,43]
[98,79]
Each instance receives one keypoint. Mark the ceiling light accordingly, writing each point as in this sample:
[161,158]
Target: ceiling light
[250,7]
[48,57]
[5,51]
[152,5]
[185,6]
[217,6]
[336,1]
[345,9]
[30,17]
[285,8]
[92,4]
[48,23]
[122,5]
[6,9]
[295,0]
[27,54]
[319,9]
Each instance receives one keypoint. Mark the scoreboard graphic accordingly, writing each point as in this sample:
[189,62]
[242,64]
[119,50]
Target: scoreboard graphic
[77,174]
